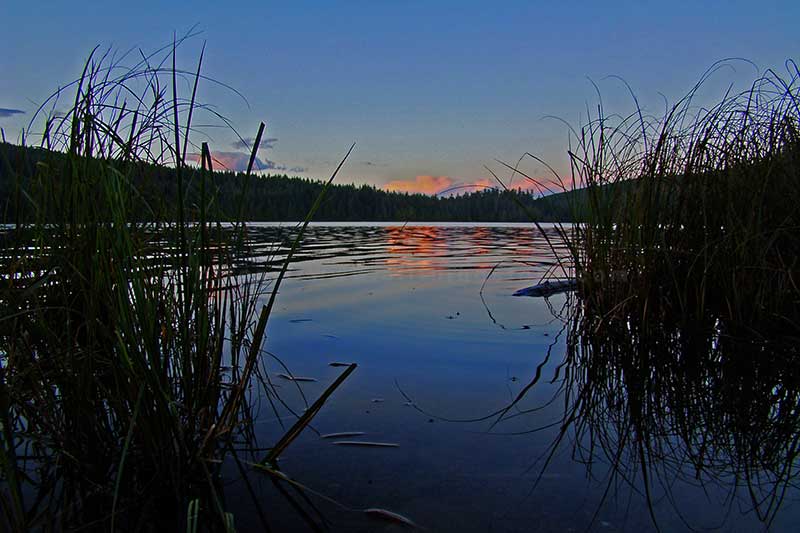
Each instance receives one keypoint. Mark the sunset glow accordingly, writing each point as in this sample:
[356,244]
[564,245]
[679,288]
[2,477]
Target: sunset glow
[421,184]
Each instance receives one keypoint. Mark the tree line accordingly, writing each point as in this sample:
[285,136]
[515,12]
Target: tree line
[278,197]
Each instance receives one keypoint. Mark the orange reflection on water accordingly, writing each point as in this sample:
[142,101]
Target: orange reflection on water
[480,238]
[415,248]
[521,243]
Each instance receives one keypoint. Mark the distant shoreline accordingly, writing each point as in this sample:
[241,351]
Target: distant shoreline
[277,198]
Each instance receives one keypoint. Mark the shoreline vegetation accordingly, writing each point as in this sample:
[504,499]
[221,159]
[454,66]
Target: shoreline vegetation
[683,337]
[132,329]
[131,352]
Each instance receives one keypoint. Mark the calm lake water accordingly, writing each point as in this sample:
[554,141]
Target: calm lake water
[428,314]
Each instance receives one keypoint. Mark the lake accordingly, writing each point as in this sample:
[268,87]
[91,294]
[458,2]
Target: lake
[427,313]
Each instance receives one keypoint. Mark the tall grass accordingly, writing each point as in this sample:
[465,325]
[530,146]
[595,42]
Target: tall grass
[130,338]
[694,214]
[683,338]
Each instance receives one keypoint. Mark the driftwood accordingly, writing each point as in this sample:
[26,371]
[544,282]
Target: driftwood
[549,288]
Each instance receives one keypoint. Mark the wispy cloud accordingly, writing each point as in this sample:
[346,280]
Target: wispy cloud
[267,164]
[233,161]
[238,161]
[420,184]
[6,112]
[247,143]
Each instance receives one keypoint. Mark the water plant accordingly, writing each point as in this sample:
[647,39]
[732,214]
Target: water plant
[683,337]
[131,331]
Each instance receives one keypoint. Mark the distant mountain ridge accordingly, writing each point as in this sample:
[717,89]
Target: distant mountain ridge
[282,198]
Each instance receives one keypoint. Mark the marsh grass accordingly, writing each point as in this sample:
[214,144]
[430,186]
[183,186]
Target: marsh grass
[683,338]
[694,215]
[130,338]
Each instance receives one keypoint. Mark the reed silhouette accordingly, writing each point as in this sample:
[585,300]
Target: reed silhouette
[683,337]
[130,352]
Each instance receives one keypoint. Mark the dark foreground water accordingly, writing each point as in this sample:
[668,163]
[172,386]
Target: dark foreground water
[407,305]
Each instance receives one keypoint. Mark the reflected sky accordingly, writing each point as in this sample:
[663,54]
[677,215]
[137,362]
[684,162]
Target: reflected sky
[406,249]
[427,313]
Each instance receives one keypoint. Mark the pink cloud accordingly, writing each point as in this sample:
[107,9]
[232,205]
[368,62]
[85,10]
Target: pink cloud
[463,187]
[484,183]
[539,186]
[491,183]
[449,186]
[420,184]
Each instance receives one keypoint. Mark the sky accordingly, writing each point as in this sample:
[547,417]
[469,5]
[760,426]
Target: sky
[432,93]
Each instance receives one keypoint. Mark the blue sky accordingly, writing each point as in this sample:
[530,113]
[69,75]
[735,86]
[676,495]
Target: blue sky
[435,89]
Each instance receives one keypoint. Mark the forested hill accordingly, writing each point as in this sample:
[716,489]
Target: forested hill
[283,198]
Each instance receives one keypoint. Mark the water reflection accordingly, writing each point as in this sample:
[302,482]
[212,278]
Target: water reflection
[407,249]
[415,248]
[517,411]
[534,408]
[664,407]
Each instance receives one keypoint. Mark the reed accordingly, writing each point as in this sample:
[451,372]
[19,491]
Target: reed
[693,215]
[131,334]
[683,338]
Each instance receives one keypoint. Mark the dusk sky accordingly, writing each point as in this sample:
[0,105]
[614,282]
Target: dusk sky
[430,91]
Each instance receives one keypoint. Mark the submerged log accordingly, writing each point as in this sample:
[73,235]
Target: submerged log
[549,288]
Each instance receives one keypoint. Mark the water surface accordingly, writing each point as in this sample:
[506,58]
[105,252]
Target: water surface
[427,313]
